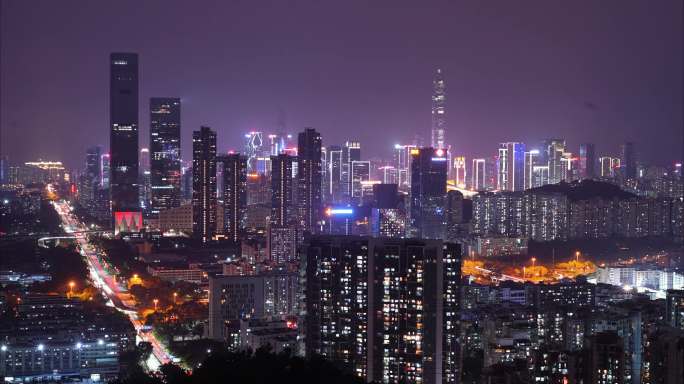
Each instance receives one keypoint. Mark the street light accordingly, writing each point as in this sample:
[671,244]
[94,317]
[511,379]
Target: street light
[71,288]
[175,294]
[155,301]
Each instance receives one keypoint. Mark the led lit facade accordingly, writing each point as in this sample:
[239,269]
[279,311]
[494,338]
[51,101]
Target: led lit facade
[439,116]
[123,109]
[429,168]
[204,198]
[165,151]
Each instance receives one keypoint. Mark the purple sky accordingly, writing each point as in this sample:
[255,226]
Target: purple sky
[598,71]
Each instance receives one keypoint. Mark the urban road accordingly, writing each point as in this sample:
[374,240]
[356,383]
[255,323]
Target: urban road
[108,285]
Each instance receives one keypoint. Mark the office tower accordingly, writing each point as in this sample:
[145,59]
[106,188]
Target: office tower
[553,152]
[93,167]
[531,160]
[454,215]
[460,175]
[540,175]
[309,179]
[282,207]
[204,184]
[428,193]
[587,161]
[351,152]
[360,172]
[283,243]
[334,174]
[4,170]
[387,309]
[254,145]
[402,161]
[511,172]
[234,188]
[388,215]
[106,171]
[479,182]
[569,167]
[123,111]
[389,174]
[609,166]
[165,150]
[144,181]
[628,161]
[438,111]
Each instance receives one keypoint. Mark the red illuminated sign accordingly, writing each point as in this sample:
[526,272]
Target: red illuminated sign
[127,222]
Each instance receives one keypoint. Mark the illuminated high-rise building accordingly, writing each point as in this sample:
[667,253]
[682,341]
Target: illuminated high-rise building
[165,151]
[531,160]
[282,206]
[334,174]
[360,172]
[309,184]
[389,174]
[553,153]
[479,174]
[204,204]
[123,109]
[351,152]
[511,171]
[402,159]
[254,148]
[587,161]
[628,161]
[429,168]
[145,181]
[106,174]
[540,175]
[460,175]
[609,166]
[387,309]
[438,111]
[234,188]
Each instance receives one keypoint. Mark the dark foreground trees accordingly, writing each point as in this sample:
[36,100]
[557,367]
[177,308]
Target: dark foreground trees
[244,367]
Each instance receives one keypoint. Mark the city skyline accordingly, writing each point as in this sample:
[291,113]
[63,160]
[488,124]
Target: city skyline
[371,92]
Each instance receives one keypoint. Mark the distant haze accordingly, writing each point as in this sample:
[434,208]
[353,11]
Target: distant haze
[596,71]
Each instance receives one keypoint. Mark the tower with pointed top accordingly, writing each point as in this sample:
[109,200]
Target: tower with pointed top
[438,111]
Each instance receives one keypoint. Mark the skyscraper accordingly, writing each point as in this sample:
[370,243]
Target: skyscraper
[531,160]
[628,161]
[350,153]
[334,174]
[123,110]
[460,175]
[309,179]
[428,192]
[587,161]
[511,172]
[234,194]
[438,111]
[553,153]
[479,182]
[360,171]
[282,209]
[165,149]
[204,184]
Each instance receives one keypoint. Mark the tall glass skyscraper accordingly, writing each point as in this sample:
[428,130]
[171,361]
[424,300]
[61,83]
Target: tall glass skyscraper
[234,194]
[165,162]
[429,167]
[309,179]
[438,111]
[123,109]
[204,184]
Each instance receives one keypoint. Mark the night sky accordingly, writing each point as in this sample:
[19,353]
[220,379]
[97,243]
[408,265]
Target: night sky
[597,71]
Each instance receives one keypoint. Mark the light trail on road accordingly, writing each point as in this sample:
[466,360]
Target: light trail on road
[107,283]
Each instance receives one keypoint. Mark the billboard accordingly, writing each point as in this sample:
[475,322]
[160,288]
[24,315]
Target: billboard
[127,222]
